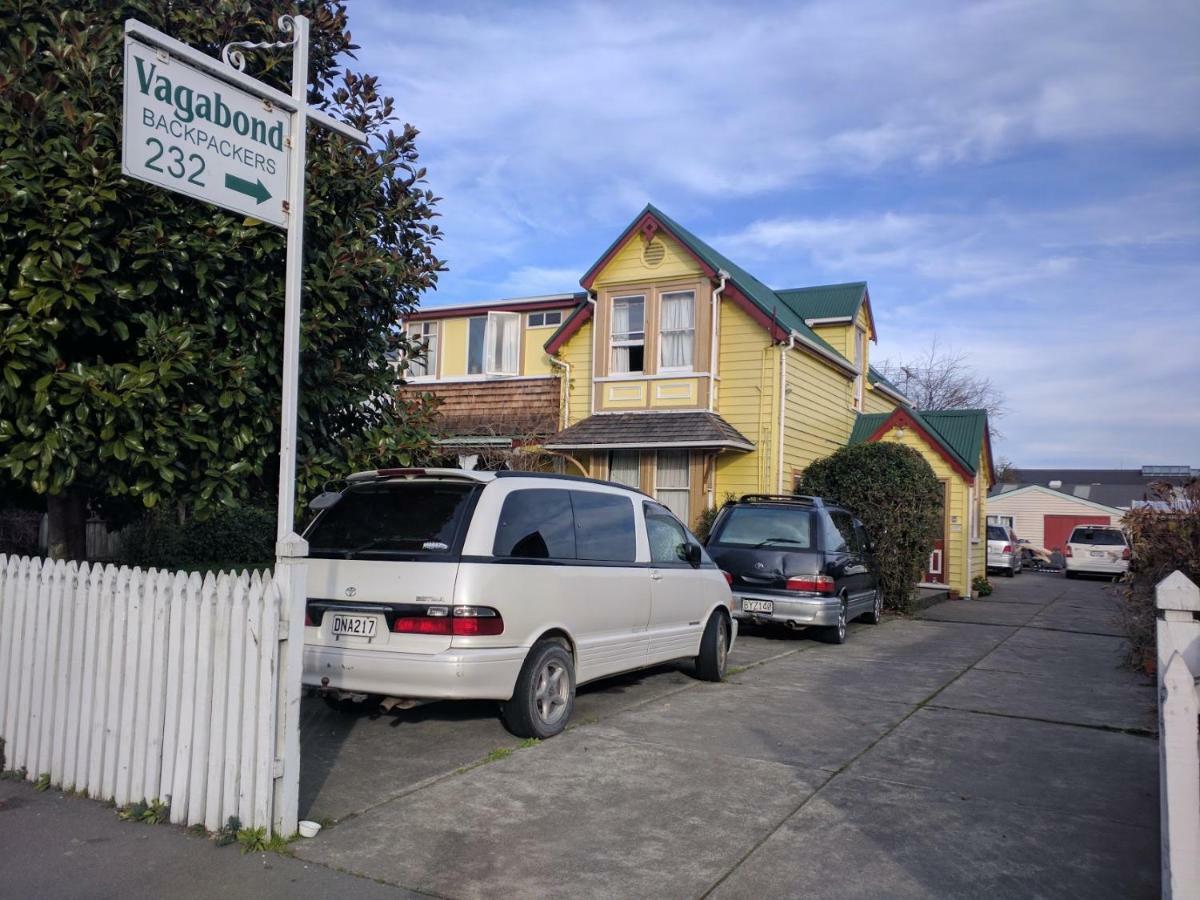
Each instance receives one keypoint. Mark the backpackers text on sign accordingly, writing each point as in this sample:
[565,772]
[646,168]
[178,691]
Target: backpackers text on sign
[196,134]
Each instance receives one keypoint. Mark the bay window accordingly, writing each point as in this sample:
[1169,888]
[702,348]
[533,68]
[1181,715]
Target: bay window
[625,467]
[672,483]
[629,334]
[677,329]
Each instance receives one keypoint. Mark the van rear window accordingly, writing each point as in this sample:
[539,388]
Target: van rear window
[394,519]
[1105,537]
[764,526]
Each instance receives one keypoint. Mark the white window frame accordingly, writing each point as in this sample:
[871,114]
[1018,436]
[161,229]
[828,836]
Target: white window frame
[428,332]
[691,366]
[860,363]
[685,489]
[613,343]
[492,366]
[973,512]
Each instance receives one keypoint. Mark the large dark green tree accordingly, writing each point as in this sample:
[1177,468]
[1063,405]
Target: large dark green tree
[140,330]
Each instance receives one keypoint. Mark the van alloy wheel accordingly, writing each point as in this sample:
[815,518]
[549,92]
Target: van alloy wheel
[552,692]
[722,644]
[841,625]
[876,614]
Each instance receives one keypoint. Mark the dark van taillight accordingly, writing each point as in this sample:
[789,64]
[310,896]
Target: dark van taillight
[462,621]
[728,578]
[813,584]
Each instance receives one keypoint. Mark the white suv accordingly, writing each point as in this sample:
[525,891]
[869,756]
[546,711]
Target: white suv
[512,586]
[1098,549]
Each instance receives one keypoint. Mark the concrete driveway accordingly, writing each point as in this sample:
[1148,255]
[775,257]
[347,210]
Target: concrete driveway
[987,748]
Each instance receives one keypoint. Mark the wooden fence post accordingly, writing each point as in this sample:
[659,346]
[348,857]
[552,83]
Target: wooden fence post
[1178,637]
[291,570]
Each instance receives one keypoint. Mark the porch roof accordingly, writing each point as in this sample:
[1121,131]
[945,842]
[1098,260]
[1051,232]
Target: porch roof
[650,431]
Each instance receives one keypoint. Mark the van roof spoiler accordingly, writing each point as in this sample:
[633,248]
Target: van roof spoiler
[800,499]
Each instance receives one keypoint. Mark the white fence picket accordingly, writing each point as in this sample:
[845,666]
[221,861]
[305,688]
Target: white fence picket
[150,685]
[156,686]
[198,780]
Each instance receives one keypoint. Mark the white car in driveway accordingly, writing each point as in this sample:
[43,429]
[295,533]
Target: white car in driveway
[1003,550]
[1096,550]
[511,586]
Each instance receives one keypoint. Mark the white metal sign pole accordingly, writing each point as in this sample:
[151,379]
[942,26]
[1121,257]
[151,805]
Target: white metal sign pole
[291,550]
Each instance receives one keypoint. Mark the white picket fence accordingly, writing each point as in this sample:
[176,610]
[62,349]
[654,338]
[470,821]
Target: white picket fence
[139,685]
[1178,602]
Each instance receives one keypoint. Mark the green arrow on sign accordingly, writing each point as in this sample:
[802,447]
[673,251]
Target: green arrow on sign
[255,189]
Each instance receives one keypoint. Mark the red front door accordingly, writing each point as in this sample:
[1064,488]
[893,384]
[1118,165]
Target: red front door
[1058,528]
[935,569]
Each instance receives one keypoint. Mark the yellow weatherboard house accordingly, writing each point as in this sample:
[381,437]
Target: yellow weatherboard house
[677,372]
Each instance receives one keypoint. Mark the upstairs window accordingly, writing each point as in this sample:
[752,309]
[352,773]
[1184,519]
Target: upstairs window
[424,364]
[539,319]
[494,344]
[476,331]
[629,334]
[678,330]
[503,343]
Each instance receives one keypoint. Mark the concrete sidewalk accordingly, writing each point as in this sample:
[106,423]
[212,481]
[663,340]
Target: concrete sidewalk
[985,749]
[53,846]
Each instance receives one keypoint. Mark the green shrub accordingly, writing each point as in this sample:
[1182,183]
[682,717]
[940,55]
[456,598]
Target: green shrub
[704,522]
[982,585]
[1162,540]
[896,494]
[238,535]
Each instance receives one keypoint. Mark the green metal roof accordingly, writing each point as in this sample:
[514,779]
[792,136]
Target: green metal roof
[874,376]
[768,302]
[826,301]
[960,432]
[963,430]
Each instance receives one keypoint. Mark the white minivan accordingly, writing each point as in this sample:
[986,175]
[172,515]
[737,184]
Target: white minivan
[512,586]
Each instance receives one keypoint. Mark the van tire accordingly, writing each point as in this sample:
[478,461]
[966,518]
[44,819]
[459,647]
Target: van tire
[714,648]
[526,715]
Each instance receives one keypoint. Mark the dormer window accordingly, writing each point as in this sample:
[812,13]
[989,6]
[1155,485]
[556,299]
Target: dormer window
[629,334]
[678,330]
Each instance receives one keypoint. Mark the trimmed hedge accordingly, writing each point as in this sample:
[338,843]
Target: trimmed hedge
[234,535]
[896,494]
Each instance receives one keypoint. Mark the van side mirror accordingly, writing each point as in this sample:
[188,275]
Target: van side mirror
[324,500]
[692,554]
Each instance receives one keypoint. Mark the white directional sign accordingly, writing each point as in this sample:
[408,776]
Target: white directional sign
[190,132]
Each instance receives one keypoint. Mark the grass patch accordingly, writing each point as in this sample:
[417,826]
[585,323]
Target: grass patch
[153,812]
[498,754]
[254,840]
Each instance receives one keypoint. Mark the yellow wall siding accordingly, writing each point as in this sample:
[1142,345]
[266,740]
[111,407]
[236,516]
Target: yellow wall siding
[577,352]
[534,360]
[875,401]
[627,266]
[454,348]
[746,397]
[958,516]
[838,337]
[818,417]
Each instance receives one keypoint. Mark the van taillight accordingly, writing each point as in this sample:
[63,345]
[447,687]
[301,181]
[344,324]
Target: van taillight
[1007,548]
[1067,550]
[307,620]
[815,584]
[1125,554]
[466,621]
[728,578]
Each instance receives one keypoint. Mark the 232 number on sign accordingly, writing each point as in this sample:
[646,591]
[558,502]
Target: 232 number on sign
[175,166]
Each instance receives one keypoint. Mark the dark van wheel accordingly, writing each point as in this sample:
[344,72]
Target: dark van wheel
[836,634]
[544,695]
[714,648]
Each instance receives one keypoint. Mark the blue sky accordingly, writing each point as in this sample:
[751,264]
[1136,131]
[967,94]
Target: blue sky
[1020,180]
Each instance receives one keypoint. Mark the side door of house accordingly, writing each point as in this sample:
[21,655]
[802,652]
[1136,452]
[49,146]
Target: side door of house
[936,570]
[677,596]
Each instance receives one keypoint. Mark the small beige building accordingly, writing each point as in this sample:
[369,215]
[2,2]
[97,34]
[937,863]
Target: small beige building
[1044,516]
